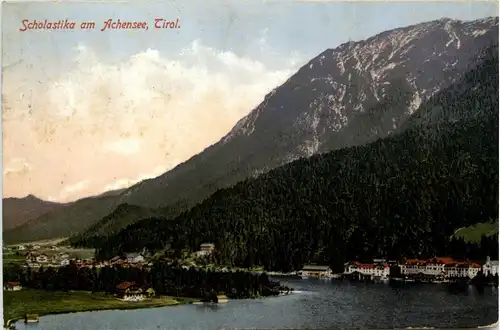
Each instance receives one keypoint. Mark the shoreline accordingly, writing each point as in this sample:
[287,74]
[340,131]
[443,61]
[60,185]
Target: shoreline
[489,326]
[94,309]
[165,301]
[170,303]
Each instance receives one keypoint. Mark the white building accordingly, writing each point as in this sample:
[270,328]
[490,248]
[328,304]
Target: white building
[446,267]
[377,270]
[31,256]
[315,271]
[21,247]
[490,267]
[12,286]
[135,258]
[462,269]
[129,291]
[434,267]
[431,267]
[42,258]
[205,249]
[412,267]
[64,262]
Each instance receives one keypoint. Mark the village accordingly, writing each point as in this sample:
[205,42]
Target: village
[125,294]
[36,256]
[433,270]
[132,293]
[53,256]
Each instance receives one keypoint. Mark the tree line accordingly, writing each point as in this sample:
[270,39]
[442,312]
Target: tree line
[165,279]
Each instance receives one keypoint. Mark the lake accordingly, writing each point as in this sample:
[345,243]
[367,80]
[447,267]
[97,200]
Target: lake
[319,304]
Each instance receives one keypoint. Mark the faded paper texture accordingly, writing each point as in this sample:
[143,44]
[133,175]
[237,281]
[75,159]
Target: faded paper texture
[347,141]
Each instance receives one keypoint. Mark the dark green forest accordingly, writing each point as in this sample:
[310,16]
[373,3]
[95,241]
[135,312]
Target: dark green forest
[165,279]
[403,195]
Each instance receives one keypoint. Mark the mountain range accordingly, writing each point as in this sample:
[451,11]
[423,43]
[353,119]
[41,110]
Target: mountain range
[18,211]
[348,96]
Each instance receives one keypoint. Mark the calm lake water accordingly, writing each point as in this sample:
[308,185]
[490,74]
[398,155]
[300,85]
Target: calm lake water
[320,304]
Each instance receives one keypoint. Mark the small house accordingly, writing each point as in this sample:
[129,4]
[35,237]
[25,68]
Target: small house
[31,256]
[206,249]
[315,271]
[490,267]
[36,247]
[31,318]
[42,258]
[135,258]
[221,299]
[21,247]
[12,286]
[129,291]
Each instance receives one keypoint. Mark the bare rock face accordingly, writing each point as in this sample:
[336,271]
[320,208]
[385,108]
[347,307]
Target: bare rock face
[350,95]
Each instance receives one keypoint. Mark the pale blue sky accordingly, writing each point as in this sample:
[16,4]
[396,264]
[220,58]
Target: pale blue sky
[89,111]
[305,27]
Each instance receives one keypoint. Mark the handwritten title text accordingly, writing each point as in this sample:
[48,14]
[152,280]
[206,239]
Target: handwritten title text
[109,24]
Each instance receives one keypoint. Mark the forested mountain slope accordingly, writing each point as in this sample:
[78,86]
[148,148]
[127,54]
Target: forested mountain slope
[123,216]
[402,195]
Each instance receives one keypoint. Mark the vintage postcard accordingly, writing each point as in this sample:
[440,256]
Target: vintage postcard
[281,164]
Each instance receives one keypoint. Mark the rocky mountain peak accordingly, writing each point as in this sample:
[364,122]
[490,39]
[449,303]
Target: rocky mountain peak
[330,91]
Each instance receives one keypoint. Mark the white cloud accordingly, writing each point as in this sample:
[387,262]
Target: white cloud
[17,166]
[125,182]
[124,146]
[106,120]
[71,190]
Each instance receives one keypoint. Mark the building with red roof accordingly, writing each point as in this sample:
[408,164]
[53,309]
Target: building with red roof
[12,286]
[367,269]
[440,266]
[129,291]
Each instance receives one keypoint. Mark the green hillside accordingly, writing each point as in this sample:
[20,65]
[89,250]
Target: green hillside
[123,216]
[474,233]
